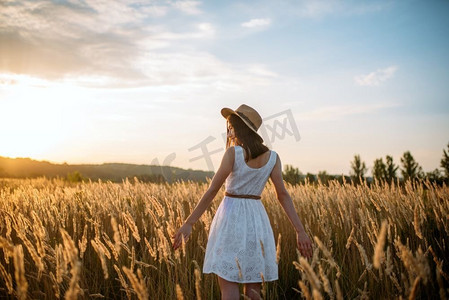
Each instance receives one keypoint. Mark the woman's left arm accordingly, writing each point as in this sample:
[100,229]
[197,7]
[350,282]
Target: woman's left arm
[217,181]
[303,240]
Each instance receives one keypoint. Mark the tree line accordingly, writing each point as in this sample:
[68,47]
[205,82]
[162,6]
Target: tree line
[382,171]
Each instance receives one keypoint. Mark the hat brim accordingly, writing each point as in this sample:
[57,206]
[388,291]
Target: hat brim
[226,112]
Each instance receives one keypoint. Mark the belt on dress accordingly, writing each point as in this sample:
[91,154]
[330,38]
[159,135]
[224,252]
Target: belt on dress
[243,196]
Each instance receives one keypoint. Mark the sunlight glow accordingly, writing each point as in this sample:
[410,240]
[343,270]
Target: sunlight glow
[35,115]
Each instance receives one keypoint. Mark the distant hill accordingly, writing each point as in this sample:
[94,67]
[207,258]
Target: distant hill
[26,167]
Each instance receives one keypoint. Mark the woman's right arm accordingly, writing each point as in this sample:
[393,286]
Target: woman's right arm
[303,240]
[217,181]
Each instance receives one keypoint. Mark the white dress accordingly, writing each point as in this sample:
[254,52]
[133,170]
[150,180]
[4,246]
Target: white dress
[241,244]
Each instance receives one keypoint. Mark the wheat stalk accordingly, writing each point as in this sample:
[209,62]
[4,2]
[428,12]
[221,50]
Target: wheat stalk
[278,249]
[19,273]
[305,290]
[179,294]
[7,278]
[138,283]
[378,252]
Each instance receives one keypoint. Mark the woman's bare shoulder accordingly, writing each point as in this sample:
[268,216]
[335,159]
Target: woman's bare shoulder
[277,164]
[231,149]
[229,154]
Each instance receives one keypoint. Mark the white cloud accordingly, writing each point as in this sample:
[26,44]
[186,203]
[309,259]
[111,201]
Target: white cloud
[317,8]
[261,70]
[162,35]
[253,23]
[188,7]
[377,77]
[314,9]
[334,112]
[206,29]
[100,43]
[155,10]
[198,69]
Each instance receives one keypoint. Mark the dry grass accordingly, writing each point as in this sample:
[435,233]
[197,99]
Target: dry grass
[100,239]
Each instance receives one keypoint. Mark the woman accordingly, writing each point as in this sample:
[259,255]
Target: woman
[241,247]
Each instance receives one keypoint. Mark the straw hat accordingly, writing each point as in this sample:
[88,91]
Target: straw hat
[247,114]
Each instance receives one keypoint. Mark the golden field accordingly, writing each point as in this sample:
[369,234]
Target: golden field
[109,240]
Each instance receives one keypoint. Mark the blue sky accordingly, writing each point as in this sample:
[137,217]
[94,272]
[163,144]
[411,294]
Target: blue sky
[144,81]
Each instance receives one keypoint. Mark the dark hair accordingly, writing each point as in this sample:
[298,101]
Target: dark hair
[245,137]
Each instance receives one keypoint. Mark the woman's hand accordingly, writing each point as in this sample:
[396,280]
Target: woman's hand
[185,232]
[304,244]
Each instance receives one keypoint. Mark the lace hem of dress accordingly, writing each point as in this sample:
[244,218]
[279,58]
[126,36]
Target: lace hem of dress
[241,280]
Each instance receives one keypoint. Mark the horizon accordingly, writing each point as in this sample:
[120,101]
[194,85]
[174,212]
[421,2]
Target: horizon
[302,172]
[144,82]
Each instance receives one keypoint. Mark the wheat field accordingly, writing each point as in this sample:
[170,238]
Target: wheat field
[109,240]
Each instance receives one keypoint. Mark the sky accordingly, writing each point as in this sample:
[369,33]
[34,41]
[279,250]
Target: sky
[144,81]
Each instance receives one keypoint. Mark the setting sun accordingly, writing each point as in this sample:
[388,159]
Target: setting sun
[37,116]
